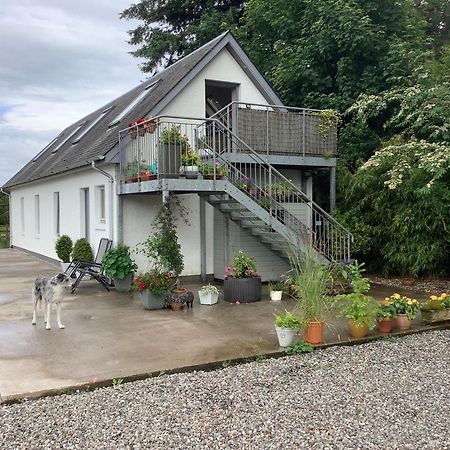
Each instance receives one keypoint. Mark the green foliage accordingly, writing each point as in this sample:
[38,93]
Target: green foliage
[299,347]
[117,382]
[173,136]
[82,251]
[403,305]
[157,281]
[287,320]
[63,247]
[4,236]
[386,311]
[190,158]
[360,308]
[243,266]
[163,246]
[4,209]
[117,262]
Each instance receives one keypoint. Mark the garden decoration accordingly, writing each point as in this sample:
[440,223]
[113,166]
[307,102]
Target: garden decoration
[276,291]
[286,326]
[405,308]
[436,309]
[180,297]
[118,265]
[208,295]
[242,283]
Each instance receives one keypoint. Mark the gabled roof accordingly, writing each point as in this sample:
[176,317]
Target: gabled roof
[101,139]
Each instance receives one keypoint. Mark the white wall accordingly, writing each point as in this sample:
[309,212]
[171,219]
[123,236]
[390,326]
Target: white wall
[69,187]
[138,214]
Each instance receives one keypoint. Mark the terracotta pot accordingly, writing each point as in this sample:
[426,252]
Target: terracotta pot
[211,177]
[385,325]
[357,331]
[402,322]
[313,333]
[148,177]
[408,282]
[176,306]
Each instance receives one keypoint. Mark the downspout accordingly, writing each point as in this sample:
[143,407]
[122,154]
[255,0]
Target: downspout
[9,214]
[111,191]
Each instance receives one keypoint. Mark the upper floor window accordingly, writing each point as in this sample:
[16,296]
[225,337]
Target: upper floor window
[57,213]
[22,214]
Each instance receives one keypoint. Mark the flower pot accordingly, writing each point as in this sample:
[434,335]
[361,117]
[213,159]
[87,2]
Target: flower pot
[151,301]
[207,298]
[432,316]
[313,333]
[212,177]
[176,306]
[191,172]
[123,284]
[134,179]
[402,322]
[285,336]
[385,325]
[148,177]
[169,160]
[276,296]
[244,290]
[408,282]
[357,331]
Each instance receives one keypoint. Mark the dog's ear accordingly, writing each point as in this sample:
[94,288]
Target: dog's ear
[61,277]
[53,281]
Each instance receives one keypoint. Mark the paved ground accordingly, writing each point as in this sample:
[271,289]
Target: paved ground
[110,335]
[388,394]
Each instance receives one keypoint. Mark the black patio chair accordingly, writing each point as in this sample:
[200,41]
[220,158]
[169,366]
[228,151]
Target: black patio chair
[92,268]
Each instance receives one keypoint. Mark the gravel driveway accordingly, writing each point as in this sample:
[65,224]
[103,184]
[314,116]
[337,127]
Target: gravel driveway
[390,394]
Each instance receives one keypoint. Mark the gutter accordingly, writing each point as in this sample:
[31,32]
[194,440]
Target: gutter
[9,214]
[111,191]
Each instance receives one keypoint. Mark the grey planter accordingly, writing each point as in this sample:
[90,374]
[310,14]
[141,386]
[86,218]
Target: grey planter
[244,290]
[124,284]
[169,160]
[151,301]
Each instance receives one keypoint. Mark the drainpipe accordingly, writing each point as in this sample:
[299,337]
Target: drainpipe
[9,214]
[111,191]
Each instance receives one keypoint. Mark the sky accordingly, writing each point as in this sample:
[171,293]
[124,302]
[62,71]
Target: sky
[59,60]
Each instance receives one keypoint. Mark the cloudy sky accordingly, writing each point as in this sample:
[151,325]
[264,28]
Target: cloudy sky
[60,60]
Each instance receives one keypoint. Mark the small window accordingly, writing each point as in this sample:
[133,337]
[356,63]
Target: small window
[22,214]
[101,204]
[139,98]
[68,137]
[37,218]
[57,213]
[45,149]
[91,125]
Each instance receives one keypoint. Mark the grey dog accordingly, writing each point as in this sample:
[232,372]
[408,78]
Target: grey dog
[51,290]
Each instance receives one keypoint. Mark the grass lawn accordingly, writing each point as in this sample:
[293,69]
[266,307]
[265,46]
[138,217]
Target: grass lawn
[4,236]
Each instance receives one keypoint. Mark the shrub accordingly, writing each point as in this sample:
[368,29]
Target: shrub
[117,262]
[82,251]
[63,248]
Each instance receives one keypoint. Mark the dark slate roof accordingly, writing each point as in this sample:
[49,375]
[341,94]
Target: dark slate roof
[101,140]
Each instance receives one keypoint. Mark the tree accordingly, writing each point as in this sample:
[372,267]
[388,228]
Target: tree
[171,29]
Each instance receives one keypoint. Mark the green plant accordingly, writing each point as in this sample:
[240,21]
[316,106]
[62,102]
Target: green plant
[436,303]
[385,311]
[190,158]
[117,381]
[173,136]
[299,347]
[329,119]
[243,266]
[158,282]
[287,320]
[403,305]
[360,308]
[208,169]
[117,262]
[277,286]
[311,289]
[64,247]
[82,251]
[209,289]
[163,246]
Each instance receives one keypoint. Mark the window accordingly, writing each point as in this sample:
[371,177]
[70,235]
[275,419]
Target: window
[37,218]
[139,98]
[91,125]
[101,204]
[44,149]
[67,138]
[22,214]
[57,213]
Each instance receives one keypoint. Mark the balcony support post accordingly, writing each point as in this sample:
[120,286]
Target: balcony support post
[332,188]
[202,239]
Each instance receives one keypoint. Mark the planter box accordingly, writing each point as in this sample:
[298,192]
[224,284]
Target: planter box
[244,290]
[207,298]
[169,160]
[440,315]
[124,284]
[276,296]
[285,336]
[151,301]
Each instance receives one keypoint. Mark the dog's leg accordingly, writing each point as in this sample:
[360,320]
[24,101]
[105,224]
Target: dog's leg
[33,322]
[58,315]
[48,310]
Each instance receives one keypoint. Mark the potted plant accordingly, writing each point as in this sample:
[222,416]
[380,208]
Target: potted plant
[276,291]
[153,288]
[242,283]
[63,249]
[172,145]
[132,172]
[208,295]
[385,318]
[360,309]
[213,172]
[82,251]
[405,310]
[190,160]
[286,326]
[311,291]
[436,309]
[118,265]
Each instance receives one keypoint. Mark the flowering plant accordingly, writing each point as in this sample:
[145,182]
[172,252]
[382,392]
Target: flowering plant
[156,281]
[209,289]
[436,303]
[190,157]
[208,169]
[403,305]
[243,266]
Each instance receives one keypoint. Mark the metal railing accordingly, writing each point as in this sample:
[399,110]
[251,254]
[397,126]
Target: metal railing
[280,130]
[170,147]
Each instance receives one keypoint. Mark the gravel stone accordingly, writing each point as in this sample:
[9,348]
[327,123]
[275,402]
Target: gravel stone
[389,394]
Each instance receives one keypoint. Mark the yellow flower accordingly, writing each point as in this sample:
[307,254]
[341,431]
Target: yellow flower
[433,297]
[396,296]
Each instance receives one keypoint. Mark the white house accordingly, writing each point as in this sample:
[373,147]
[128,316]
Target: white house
[82,183]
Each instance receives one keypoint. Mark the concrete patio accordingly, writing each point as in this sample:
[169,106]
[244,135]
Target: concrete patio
[109,335]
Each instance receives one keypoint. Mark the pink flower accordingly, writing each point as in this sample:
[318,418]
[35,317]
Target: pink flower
[238,302]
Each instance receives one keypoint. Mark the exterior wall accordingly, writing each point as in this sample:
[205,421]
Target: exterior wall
[69,187]
[138,214]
